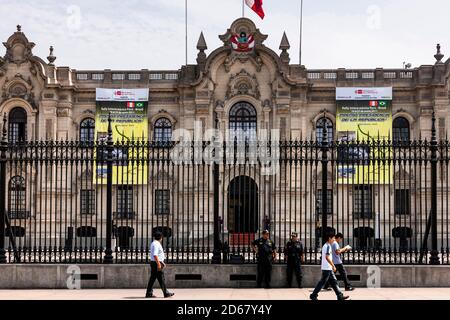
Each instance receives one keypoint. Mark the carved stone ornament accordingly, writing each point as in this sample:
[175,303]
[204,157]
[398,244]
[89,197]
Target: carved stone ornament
[62,112]
[18,48]
[18,87]
[243,83]
[243,38]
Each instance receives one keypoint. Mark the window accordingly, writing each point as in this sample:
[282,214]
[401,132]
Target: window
[162,130]
[402,202]
[319,130]
[400,130]
[162,201]
[87,127]
[17,125]
[124,203]
[87,202]
[243,122]
[17,198]
[363,202]
[329,201]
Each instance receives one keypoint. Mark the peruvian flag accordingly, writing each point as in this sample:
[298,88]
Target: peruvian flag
[131,105]
[373,103]
[256,5]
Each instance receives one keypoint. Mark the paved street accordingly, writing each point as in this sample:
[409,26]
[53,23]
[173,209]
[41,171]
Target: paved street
[228,294]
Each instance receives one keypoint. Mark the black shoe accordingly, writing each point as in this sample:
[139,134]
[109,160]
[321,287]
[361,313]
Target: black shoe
[268,287]
[169,294]
[300,287]
[314,298]
[342,297]
[349,289]
[150,295]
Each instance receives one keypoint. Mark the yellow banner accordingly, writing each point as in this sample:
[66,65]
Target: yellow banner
[362,126]
[128,110]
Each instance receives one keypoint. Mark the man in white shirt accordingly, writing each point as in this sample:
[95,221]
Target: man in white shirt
[157,265]
[328,270]
[336,253]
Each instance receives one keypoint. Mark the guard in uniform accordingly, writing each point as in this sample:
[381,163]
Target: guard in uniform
[265,253]
[293,251]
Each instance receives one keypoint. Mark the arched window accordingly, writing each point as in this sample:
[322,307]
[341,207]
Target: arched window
[243,122]
[87,128]
[17,198]
[162,130]
[319,129]
[400,130]
[17,125]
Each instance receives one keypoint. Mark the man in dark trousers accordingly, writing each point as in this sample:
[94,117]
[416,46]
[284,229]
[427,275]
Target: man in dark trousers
[265,253]
[293,251]
[157,265]
[328,270]
[336,253]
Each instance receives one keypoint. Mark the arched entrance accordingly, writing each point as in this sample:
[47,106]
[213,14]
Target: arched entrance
[243,206]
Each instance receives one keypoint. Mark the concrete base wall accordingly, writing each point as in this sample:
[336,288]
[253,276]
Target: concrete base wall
[27,276]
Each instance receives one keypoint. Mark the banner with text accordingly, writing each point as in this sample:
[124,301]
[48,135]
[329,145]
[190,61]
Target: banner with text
[128,109]
[363,115]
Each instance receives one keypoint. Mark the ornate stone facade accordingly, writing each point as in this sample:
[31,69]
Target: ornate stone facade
[285,96]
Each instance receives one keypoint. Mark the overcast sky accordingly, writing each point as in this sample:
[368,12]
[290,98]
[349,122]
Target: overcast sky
[149,34]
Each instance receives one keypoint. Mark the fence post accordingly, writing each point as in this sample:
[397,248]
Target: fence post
[3,148]
[434,258]
[109,163]
[324,160]
[216,258]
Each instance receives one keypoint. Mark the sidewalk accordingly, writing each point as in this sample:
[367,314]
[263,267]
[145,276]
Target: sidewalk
[228,294]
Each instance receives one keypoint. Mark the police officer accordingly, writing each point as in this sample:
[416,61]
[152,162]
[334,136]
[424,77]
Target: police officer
[293,251]
[265,253]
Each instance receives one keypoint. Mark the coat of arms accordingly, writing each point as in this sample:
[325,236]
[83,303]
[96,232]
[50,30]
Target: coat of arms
[242,42]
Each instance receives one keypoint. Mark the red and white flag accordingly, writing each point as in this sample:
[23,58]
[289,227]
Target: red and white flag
[256,5]
[131,105]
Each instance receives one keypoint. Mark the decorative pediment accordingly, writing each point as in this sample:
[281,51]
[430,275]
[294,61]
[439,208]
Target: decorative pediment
[239,28]
[18,48]
[243,83]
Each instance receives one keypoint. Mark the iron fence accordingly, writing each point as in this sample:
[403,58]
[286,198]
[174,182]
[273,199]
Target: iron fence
[100,202]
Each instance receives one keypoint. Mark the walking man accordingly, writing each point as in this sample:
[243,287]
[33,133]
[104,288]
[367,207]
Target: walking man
[336,253]
[295,257]
[328,270]
[265,253]
[157,266]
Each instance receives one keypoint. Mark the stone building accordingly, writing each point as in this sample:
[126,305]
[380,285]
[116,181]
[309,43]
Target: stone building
[242,83]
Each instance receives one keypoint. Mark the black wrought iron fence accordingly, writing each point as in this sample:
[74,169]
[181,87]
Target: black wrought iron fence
[100,202]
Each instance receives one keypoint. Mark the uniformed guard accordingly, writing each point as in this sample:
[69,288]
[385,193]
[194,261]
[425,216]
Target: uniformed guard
[295,257]
[265,253]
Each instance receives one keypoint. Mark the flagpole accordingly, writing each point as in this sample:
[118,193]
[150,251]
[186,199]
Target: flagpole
[301,33]
[186,29]
[243,9]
